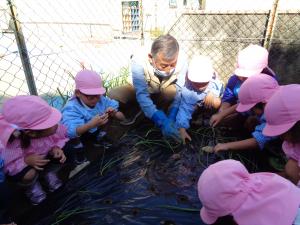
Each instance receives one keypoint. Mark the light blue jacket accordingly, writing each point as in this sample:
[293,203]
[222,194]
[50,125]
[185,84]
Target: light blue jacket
[76,114]
[258,135]
[141,86]
[191,98]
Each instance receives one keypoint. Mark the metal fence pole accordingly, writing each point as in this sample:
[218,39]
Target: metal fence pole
[271,25]
[142,22]
[22,49]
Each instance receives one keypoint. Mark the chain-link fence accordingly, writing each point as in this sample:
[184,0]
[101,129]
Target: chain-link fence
[44,43]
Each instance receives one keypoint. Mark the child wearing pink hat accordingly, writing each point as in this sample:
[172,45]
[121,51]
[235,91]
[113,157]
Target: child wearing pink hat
[251,60]
[283,118]
[202,88]
[89,110]
[254,93]
[30,138]
[227,188]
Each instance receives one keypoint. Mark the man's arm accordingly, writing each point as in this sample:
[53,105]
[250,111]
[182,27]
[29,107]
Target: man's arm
[141,88]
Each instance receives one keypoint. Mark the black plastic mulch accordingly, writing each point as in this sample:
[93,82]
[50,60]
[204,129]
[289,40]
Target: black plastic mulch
[142,179]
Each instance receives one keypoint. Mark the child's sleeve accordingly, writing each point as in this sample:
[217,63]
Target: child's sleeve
[216,87]
[108,102]
[61,136]
[259,137]
[72,118]
[229,95]
[13,160]
[187,107]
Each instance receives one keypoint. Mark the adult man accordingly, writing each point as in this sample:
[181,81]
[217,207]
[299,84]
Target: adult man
[158,80]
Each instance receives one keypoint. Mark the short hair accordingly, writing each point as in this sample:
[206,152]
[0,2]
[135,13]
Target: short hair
[165,44]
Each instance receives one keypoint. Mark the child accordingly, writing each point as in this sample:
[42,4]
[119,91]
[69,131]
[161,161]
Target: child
[30,138]
[253,95]
[227,188]
[202,88]
[283,118]
[88,110]
[251,61]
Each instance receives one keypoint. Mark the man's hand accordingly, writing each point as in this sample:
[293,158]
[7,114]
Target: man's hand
[36,161]
[58,154]
[184,135]
[169,129]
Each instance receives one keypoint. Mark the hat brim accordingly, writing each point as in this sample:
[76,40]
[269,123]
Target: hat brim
[206,218]
[246,73]
[93,91]
[275,130]
[244,107]
[51,121]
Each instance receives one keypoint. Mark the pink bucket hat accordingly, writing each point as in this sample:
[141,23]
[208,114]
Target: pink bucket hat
[282,110]
[226,188]
[26,112]
[258,88]
[251,60]
[200,69]
[89,82]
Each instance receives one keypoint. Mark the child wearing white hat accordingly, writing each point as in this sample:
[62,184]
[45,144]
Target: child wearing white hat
[202,89]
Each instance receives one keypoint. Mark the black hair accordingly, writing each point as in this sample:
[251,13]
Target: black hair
[294,133]
[259,105]
[25,140]
[228,220]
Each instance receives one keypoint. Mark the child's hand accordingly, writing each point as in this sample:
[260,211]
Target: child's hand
[58,154]
[250,123]
[36,161]
[120,116]
[209,100]
[99,120]
[215,119]
[221,147]
[110,111]
[184,135]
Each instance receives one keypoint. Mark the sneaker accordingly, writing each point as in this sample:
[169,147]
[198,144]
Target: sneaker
[79,156]
[103,143]
[131,121]
[35,193]
[52,181]
[78,168]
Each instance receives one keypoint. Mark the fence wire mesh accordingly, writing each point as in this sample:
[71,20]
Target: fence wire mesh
[44,43]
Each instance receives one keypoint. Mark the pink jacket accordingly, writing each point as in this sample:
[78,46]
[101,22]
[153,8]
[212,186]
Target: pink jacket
[13,155]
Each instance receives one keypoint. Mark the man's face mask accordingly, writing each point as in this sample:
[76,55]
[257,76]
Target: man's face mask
[163,73]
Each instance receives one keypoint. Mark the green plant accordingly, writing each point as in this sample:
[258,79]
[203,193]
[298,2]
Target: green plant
[156,32]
